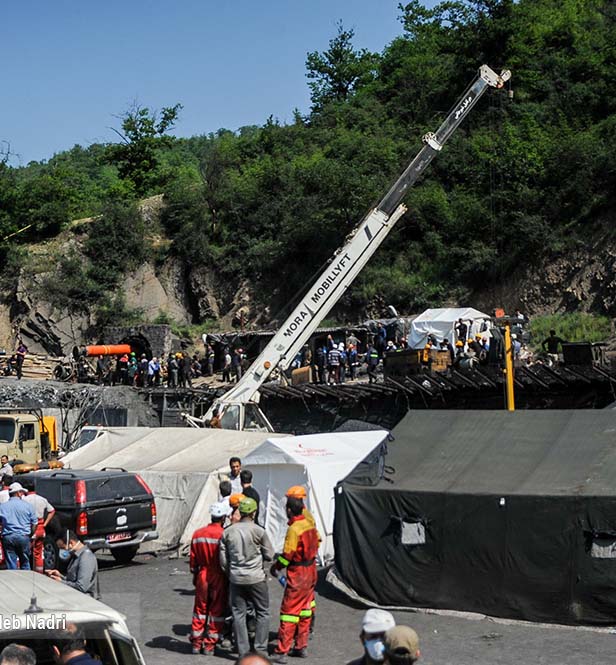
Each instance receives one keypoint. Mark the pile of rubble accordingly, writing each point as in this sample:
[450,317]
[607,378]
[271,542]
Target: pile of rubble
[29,394]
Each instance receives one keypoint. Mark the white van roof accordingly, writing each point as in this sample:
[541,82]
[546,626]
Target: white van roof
[54,598]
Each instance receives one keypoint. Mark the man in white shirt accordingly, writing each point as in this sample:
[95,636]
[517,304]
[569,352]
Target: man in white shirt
[235,468]
[44,513]
[4,493]
[5,468]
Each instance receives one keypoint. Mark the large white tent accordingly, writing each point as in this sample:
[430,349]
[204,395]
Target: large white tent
[317,461]
[441,323]
[182,466]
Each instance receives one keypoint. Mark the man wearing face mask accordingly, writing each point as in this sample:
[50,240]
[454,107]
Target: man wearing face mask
[82,570]
[374,625]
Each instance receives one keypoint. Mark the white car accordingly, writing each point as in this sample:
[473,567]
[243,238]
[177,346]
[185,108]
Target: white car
[58,606]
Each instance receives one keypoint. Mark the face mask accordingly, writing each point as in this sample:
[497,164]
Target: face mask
[64,555]
[375,649]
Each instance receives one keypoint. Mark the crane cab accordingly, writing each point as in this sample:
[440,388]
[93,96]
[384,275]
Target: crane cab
[240,416]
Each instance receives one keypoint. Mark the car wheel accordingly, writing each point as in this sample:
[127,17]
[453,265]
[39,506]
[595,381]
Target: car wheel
[124,554]
[50,554]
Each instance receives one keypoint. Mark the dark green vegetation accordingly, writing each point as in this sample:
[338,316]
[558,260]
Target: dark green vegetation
[572,327]
[521,179]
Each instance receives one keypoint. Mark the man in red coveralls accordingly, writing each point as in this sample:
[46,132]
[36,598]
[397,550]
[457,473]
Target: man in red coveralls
[299,558]
[211,593]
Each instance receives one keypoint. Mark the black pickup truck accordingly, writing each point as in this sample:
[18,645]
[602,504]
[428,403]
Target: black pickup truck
[110,508]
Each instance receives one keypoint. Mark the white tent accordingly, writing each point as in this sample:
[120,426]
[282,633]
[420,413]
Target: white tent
[317,461]
[441,323]
[182,466]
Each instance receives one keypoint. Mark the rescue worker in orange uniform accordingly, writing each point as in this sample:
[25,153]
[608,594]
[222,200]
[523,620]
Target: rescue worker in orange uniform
[44,513]
[299,492]
[300,550]
[211,592]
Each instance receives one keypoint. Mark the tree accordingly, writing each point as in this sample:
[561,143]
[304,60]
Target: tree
[143,135]
[335,74]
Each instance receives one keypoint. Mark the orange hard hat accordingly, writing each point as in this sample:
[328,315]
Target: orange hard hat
[234,499]
[296,492]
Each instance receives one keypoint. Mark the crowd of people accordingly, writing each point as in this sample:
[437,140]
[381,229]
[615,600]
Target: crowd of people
[228,560]
[25,519]
[177,370]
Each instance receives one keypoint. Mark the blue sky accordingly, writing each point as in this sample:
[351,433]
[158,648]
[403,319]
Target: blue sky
[70,67]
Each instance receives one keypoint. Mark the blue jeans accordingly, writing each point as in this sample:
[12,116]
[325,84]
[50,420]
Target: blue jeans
[17,548]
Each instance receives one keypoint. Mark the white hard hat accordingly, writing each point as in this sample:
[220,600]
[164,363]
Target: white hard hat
[377,621]
[341,346]
[218,510]
[15,487]
[514,336]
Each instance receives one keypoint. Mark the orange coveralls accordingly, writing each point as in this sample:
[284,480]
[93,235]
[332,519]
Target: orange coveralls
[301,546]
[211,593]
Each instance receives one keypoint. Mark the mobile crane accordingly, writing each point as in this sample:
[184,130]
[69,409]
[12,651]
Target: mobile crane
[238,409]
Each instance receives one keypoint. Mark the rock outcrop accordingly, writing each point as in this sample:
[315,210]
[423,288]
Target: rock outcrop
[581,280]
[153,292]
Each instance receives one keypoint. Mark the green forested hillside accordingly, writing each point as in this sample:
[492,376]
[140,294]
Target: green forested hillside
[524,177]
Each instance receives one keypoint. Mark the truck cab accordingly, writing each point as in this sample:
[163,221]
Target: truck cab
[27,437]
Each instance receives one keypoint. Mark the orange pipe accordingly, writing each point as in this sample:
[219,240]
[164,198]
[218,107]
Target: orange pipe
[107,349]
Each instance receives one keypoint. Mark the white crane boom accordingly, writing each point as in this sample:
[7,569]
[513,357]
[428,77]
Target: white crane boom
[340,272]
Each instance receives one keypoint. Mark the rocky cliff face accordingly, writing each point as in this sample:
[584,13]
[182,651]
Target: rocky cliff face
[183,295]
[582,280]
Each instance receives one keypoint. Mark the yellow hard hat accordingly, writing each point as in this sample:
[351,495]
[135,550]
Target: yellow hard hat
[460,343]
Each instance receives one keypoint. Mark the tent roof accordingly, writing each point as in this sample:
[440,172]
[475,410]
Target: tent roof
[179,449]
[499,452]
[450,314]
[334,450]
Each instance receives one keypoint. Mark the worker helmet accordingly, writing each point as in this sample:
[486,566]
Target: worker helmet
[478,336]
[218,510]
[296,492]
[460,343]
[248,506]
[234,499]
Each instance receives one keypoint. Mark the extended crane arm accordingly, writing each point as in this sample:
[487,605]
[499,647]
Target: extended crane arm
[353,256]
